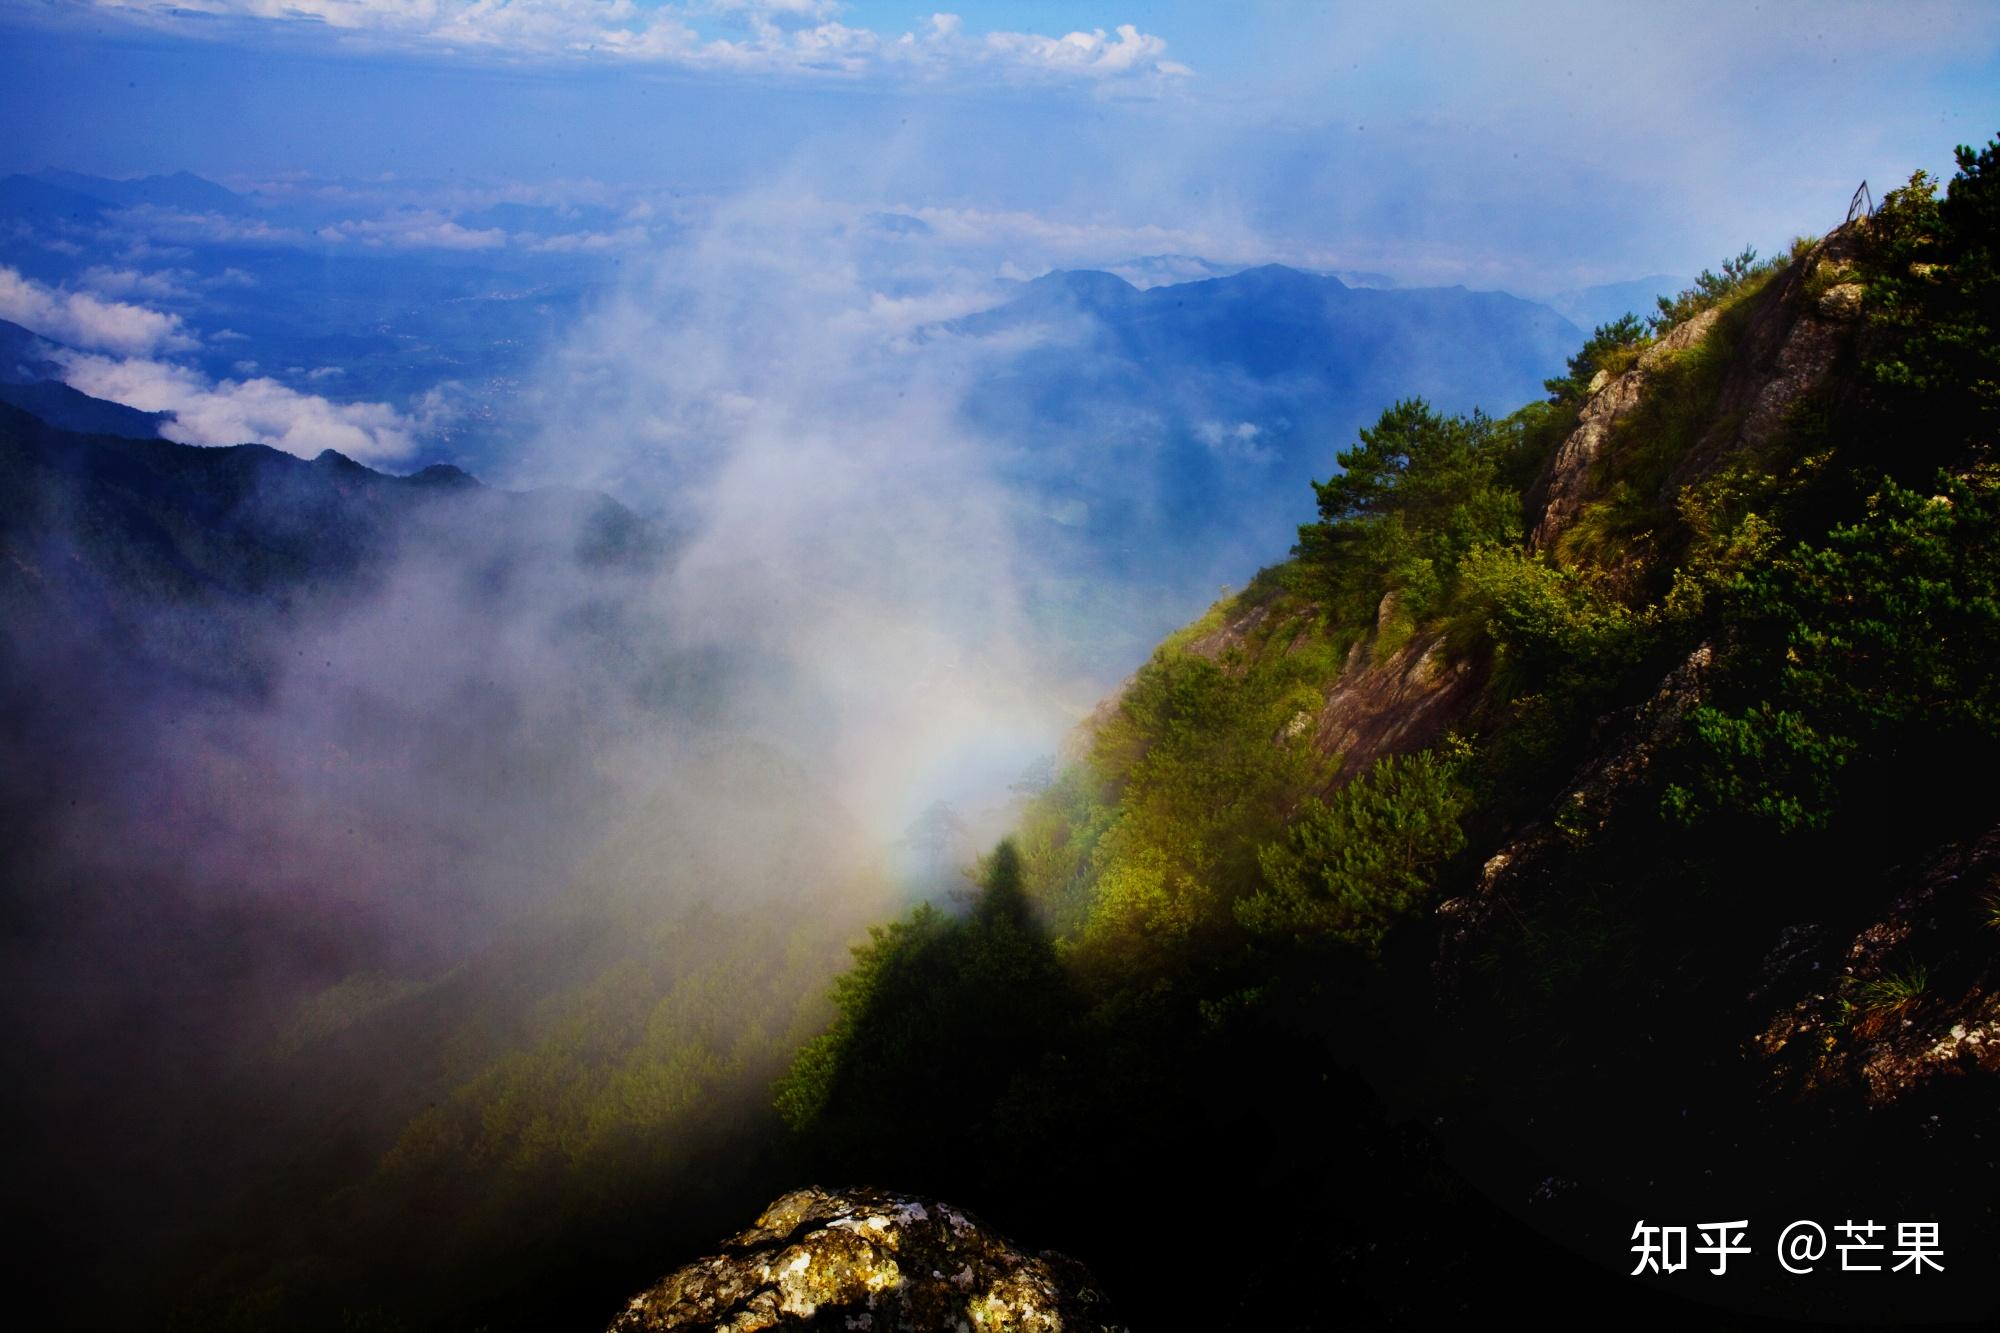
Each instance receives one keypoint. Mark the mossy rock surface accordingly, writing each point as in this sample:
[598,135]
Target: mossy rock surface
[868,1259]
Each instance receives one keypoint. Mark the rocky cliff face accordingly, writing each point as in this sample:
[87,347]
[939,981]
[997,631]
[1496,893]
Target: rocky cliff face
[1573,478]
[867,1259]
[1401,690]
[1789,347]
[1390,698]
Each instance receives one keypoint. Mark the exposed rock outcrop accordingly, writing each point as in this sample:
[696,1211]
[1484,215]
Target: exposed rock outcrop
[1403,703]
[1873,1020]
[1792,340]
[866,1259]
[1384,701]
[1235,633]
[1572,478]
[1797,335]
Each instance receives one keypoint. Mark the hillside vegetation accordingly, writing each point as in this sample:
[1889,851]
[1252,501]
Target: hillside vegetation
[1591,822]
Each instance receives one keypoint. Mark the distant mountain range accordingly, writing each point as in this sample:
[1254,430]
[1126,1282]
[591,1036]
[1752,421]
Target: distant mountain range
[27,199]
[181,561]
[183,189]
[73,196]
[1161,440]
[1173,431]
[1167,414]
[1159,424]
[1161,270]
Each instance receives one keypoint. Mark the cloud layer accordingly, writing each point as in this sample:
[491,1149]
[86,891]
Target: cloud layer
[82,319]
[259,410]
[111,350]
[801,37]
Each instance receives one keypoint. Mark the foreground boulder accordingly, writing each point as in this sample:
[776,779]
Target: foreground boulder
[867,1259]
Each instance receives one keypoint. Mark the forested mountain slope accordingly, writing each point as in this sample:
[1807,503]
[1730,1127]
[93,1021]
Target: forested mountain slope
[1588,826]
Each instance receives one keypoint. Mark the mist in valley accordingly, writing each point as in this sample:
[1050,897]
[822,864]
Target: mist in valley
[559,799]
[415,884]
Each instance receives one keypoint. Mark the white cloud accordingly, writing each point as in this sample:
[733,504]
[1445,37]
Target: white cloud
[770,10]
[1085,52]
[439,407]
[788,36]
[169,225]
[387,212]
[165,285]
[586,242]
[84,320]
[1035,241]
[1239,440]
[257,410]
[842,522]
[414,231]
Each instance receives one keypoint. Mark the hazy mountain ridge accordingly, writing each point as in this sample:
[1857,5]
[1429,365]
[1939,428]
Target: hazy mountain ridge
[134,527]
[1178,427]
[181,190]
[33,382]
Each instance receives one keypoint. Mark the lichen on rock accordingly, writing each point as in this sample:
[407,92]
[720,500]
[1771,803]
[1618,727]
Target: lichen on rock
[868,1259]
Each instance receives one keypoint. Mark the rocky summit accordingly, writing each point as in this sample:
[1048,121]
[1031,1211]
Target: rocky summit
[868,1259]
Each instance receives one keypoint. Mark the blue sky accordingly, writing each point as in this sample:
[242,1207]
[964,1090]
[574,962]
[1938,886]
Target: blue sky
[1528,146]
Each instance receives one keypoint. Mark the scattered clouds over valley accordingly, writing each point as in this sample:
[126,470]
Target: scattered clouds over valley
[258,409]
[86,320]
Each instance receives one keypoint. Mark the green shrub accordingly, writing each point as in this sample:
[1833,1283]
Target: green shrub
[1863,667]
[1418,491]
[1933,270]
[1549,623]
[932,1020]
[1204,770]
[1353,865]
[1711,289]
[1611,348]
